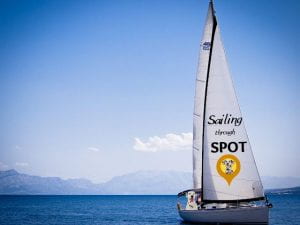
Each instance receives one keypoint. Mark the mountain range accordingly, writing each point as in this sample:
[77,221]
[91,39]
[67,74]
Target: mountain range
[142,182]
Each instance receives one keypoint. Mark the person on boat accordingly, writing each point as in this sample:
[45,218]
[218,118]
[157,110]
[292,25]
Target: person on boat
[198,201]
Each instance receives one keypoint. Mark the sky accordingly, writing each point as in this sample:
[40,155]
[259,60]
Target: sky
[96,89]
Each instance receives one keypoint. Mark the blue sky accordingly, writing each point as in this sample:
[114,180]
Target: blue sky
[80,80]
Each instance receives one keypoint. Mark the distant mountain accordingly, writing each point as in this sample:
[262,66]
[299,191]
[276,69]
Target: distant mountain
[143,182]
[12,182]
[149,182]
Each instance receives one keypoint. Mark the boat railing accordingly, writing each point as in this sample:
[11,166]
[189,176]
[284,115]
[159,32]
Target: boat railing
[182,203]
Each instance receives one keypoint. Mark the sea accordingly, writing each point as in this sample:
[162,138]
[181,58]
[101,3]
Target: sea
[119,210]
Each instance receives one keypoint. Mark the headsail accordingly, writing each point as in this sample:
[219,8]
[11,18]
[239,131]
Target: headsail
[229,171]
[203,66]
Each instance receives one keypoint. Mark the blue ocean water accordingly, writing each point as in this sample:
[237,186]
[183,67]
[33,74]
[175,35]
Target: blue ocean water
[120,210]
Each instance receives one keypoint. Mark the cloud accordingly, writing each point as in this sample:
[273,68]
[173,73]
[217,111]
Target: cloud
[170,142]
[22,164]
[17,147]
[3,166]
[93,149]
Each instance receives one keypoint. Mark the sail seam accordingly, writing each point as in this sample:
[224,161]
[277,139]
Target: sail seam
[214,175]
[196,148]
[216,159]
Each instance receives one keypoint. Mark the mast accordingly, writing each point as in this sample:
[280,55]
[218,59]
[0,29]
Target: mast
[211,6]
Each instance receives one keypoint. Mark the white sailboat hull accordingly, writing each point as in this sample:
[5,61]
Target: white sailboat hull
[243,215]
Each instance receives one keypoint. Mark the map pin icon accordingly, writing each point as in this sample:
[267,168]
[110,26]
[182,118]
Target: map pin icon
[228,167]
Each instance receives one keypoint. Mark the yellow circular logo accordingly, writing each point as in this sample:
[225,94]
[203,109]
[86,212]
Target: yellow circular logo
[228,166]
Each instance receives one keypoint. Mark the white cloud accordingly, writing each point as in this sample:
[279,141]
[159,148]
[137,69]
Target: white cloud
[3,166]
[22,164]
[93,149]
[170,142]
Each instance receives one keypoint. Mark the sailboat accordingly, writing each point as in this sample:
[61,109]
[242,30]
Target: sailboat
[227,185]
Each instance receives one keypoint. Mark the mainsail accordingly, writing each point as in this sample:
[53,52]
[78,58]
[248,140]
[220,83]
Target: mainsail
[224,166]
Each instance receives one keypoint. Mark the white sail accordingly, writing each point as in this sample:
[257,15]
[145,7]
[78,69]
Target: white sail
[199,96]
[229,169]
